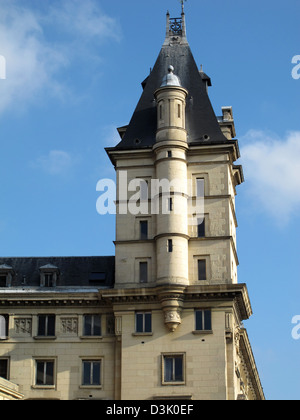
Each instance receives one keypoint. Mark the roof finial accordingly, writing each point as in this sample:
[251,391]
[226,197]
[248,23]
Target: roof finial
[182,5]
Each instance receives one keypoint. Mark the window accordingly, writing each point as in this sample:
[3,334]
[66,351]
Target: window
[49,280]
[92,325]
[201,228]
[169,153]
[202,270]
[143,322]
[170,245]
[97,278]
[203,320]
[44,373]
[179,111]
[173,369]
[200,187]
[143,230]
[170,204]
[91,373]
[4,368]
[3,282]
[143,272]
[160,112]
[46,326]
[4,326]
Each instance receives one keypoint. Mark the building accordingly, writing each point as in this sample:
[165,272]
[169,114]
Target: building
[163,319]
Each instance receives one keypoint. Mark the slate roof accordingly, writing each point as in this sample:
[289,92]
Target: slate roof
[73,271]
[201,121]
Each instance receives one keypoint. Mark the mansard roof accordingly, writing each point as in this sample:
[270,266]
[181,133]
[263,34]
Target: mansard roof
[73,271]
[201,122]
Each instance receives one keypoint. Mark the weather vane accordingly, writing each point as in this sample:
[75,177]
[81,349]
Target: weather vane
[182,4]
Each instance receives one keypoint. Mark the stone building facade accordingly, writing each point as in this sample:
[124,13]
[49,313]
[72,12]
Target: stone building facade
[163,319]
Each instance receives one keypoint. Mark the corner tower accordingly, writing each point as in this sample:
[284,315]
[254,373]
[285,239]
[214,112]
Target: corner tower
[175,268]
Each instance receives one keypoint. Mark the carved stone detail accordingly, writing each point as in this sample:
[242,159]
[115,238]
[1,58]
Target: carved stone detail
[69,326]
[23,326]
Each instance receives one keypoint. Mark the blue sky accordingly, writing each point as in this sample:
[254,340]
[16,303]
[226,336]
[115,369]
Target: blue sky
[73,74]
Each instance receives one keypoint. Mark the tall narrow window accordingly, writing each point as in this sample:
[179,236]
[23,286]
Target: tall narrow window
[200,184]
[143,230]
[201,228]
[160,112]
[179,111]
[143,272]
[169,153]
[49,280]
[170,245]
[46,325]
[45,373]
[171,204]
[92,325]
[201,269]
[203,320]
[4,326]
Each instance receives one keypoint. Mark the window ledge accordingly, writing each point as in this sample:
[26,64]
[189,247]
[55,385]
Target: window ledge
[202,332]
[43,387]
[90,387]
[91,337]
[173,383]
[139,334]
[49,338]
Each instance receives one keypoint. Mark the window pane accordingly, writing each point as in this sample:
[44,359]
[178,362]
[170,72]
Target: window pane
[170,245]
[143,272]
[87,325]
[51,326]
[139,322]
[97,325]
[42,325]
[201,228]
[199,320]
[200,187]
[86,380]
[168,369]
[3,369]
[96,373]
[201,270]
[178,369]
[2,281]
[144,230]
[49,373]
[148,323]
[207,320]
[40,373]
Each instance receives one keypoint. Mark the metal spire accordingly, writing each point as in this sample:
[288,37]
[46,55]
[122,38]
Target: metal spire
[182,5]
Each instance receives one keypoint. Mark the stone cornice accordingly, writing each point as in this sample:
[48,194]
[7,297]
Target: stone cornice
[249,360]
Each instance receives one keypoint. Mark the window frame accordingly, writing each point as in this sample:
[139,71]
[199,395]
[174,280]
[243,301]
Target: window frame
[93,325]
[204,312]
[45,362]
[146,271]
[202,260]
[143,329]
[173,356]
[46,326]
[91,361]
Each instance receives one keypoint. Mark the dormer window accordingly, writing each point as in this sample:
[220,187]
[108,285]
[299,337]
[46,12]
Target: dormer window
[49,276]
[6,275]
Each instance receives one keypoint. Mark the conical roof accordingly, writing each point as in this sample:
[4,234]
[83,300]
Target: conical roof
[201,122]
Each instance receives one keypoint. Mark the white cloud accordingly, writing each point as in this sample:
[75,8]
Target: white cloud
[57,162]
[35,56]
[272,169]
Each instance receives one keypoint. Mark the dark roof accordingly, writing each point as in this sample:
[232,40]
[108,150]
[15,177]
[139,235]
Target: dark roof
[201,121]
[73,271]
